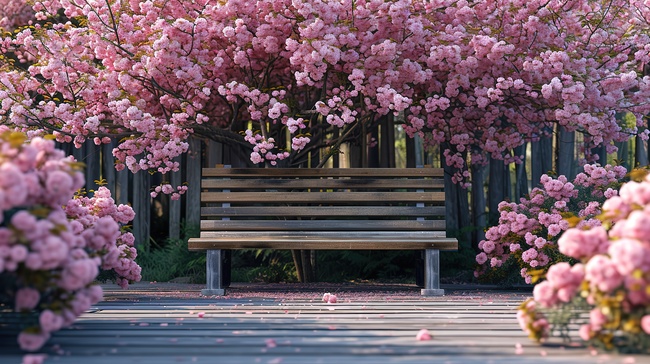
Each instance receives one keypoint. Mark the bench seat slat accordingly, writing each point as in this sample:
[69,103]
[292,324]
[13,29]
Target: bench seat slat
[317,197]
[323,240]
[315,172]
[208,244]
[335,225]
[323,211]
[323,183]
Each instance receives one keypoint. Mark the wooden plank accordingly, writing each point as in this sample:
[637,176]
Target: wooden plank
[324,211]
[325,235]
[318,241]
[322,183]
[284,225]
[378,198]
[294,327]
[321,172]
[202,244]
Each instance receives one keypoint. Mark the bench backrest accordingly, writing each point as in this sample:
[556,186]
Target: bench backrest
[295,199]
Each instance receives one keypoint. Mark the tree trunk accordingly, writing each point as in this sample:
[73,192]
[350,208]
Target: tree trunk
[142,208]
[193,177]
[566,157]
[175,206]
[623,154]
[541,158]
[479,213]
[496,189]
[521,179]
[640,152]
[601,152]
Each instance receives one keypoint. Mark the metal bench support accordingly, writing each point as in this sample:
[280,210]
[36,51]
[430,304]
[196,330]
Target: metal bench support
[213,272]
[432,273]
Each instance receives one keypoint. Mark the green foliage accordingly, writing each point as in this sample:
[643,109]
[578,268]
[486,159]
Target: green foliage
[507,275]
[263,265]
[173,260]
[344,265]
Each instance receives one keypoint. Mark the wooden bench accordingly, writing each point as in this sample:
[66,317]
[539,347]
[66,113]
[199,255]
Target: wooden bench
[323,209]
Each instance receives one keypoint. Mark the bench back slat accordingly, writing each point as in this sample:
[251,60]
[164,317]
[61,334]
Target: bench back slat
[329,183]
[322,172]
[322,211]
[325,225]
[321,197]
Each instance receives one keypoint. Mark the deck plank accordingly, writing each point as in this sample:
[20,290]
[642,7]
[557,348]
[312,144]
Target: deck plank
[378,328]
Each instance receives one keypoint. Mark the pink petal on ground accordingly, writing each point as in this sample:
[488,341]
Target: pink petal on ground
[270,343]
[200,314]
[144,324]
[249,312]
[326,297]
[163,324]
[34,358]
[423,335]
[331,299]
[518,349]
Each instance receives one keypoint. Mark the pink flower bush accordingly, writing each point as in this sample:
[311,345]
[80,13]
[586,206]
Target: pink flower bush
[528,231]
[612,280]
[53,243]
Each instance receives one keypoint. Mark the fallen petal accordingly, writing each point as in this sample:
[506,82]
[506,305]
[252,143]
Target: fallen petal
[423,335]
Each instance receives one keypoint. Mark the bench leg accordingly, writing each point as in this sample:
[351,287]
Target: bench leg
[432,273]
[213,274]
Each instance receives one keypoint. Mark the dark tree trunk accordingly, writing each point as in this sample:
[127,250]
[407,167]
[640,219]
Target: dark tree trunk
[521,181]
[566,153]
[479,213]
[541,159]
[497,189]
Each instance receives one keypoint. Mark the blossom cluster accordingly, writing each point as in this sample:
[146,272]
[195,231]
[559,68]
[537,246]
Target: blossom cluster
[613,275]
[528,231]
[51,256]
[483,76]
[15,13]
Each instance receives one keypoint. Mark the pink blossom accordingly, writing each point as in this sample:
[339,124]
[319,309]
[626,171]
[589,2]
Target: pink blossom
[423,335]
[331,298]
[602,273]
[32,342]
[585,332]
[27,299]
[545,294]
[628,255]
[597,319]
[34,358]
[49,321]
[581,244]
[645,324]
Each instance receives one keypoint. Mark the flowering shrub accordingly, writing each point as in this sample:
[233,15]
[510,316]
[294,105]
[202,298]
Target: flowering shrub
[612,279]
[528,231]
[50,255]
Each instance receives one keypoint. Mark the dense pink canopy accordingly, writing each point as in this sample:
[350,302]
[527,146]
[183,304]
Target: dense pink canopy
[484,76]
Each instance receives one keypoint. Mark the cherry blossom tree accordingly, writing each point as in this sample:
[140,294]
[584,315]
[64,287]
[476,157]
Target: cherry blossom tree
[482,77]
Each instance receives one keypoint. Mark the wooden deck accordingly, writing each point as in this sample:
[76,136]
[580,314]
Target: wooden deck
[166,323]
